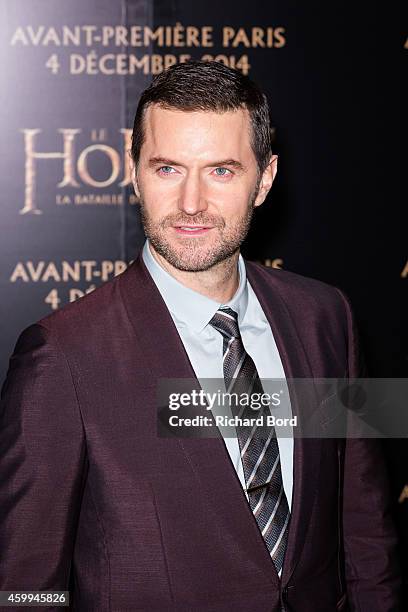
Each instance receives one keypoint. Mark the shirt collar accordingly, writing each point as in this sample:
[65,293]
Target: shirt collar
[189,307]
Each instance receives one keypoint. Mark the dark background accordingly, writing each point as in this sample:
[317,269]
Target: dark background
[336,211]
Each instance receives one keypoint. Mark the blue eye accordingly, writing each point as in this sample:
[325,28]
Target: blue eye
[166,169]
[223,171]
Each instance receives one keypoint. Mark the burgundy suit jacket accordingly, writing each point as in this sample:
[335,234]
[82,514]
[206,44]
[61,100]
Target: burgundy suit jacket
[93,501]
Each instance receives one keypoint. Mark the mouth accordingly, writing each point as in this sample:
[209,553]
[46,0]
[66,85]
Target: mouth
[192,230]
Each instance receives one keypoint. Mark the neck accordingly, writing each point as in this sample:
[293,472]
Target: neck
[219,283]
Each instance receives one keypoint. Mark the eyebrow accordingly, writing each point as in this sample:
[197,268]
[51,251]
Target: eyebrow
[233,163]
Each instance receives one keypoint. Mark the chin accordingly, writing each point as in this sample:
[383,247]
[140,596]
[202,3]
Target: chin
[193,254]
[191,264]
[193,260]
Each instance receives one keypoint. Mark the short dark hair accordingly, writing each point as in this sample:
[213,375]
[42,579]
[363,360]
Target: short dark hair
[207,86]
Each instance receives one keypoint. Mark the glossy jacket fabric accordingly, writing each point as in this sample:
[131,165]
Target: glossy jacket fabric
[93,501]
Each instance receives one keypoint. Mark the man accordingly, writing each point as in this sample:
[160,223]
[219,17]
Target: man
[92,498]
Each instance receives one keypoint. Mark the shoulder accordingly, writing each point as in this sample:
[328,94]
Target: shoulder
[88,317]
[321,313]
[298,291]
[85,330]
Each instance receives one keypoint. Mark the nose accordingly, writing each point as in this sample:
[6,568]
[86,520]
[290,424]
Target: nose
[191,200]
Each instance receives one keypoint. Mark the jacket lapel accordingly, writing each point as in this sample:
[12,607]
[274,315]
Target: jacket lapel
[307,451]
[165,354]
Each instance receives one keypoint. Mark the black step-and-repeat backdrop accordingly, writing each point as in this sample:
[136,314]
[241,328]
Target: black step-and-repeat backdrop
[71,76]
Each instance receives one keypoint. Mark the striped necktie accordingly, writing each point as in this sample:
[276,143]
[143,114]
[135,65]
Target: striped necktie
[258,445]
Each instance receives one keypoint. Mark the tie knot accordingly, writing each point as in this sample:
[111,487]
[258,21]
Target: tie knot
[225,321]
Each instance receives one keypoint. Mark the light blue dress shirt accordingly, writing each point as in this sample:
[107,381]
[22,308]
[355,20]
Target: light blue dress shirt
[191,312]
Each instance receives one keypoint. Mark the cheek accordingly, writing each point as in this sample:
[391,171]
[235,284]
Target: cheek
[234,194]
[157,196]
[228,199]
[231,203]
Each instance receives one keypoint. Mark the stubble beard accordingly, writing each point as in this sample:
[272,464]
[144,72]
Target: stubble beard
[192,255]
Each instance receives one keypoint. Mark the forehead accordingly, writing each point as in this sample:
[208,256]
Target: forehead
[197,133]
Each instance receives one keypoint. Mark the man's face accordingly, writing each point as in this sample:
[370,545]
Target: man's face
[198,184]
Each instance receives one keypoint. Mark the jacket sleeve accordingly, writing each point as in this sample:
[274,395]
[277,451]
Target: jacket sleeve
[371,565]
[43,465]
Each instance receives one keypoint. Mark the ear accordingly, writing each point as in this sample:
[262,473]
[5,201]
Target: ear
[133,175]
[267,179]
